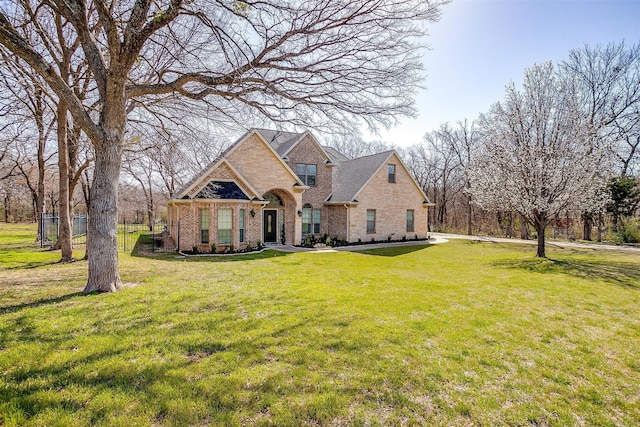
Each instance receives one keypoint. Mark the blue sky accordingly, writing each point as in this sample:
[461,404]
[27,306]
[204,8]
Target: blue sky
[479,46]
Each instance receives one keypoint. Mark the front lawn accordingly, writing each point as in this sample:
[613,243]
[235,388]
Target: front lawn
[462,333]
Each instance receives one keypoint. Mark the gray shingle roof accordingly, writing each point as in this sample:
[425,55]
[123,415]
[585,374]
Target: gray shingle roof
[279,140]
[336,156]
[353,174]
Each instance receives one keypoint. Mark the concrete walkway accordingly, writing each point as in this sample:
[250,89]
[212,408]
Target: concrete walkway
[446,236]
[437,238]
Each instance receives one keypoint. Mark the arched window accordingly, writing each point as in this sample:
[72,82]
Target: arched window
[274,200]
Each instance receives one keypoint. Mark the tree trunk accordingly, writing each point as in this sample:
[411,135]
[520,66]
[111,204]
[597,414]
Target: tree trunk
[150,204]
[469,217]
[541,250]
[86,192]
[524,231]
[587,226]
[540,224]
[6,209]
[509,225]
[600,227]
[102,233]
[102,243]
[65,234]
[40,195]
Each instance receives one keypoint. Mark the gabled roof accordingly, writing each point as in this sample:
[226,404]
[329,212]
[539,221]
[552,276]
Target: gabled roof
[335,155]
[283,142]
[227,190]
[353,174]
[280,141]
[222,159]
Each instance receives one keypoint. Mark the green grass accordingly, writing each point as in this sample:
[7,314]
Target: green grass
[462,333]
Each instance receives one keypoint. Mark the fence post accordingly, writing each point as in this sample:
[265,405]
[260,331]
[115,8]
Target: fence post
[153,234]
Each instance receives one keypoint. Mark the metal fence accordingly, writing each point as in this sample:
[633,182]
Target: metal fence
[137,237]
[132,236]
[50,227]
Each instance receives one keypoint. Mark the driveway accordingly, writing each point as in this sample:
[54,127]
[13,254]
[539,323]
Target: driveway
[446,236]
[437,238]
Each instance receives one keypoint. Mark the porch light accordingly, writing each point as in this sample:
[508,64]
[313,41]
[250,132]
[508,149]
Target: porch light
[253,213]
[299,212]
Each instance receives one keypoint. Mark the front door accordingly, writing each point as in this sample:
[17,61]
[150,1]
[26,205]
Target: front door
[269,224]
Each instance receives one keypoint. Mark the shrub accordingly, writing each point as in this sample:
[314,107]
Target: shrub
[308,242]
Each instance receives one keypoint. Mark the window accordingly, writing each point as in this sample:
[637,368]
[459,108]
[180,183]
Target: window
[371,220]
[224,226]
[274,200]
[316,220]
[409,219]
[204,225]
[391,170]
[306,219]
[241,225]
[307,173]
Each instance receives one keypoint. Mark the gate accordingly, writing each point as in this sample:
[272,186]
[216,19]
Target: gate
[50,227]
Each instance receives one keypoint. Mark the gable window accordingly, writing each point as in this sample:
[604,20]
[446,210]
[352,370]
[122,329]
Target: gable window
[409,219]
[371,220]
[391,171]
[241,225]
[224,226]
[307,173]
[306,219]
[274,200]
[316,220]
[204,225]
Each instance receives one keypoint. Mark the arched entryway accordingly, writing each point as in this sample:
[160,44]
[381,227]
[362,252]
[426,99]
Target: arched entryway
[278,216]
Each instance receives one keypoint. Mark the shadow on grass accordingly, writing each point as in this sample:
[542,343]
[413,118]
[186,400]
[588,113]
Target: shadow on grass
[393,251]
[148,374]
[33,264]
[41,302]
[625,274]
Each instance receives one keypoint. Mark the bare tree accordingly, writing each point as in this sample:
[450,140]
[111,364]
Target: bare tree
[607,82]
[30,109]
[537,157]
[289,61]
[463,139]
[353,145]
[627,137]
[445,164]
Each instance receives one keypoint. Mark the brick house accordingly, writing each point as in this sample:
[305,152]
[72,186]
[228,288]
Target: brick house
[273,186]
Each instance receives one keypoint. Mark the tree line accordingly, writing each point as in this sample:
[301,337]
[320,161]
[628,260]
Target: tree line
[560,151]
